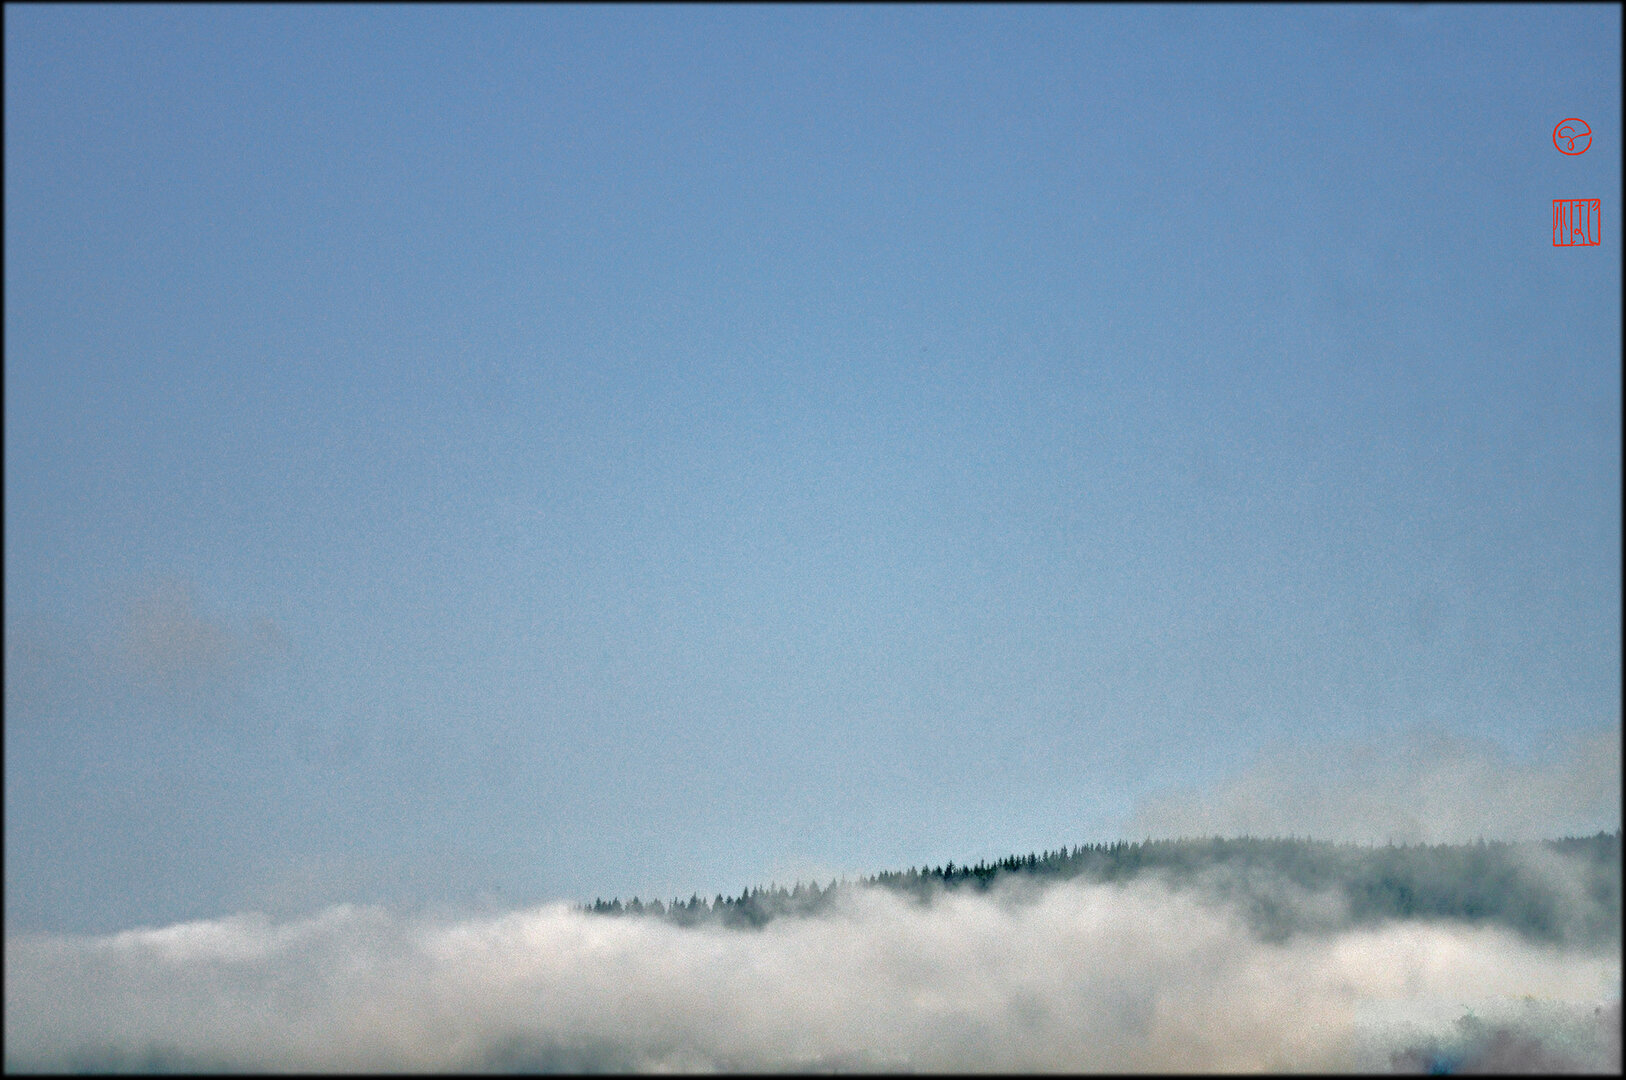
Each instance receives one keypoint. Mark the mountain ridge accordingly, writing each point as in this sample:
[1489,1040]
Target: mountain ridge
[1565,890]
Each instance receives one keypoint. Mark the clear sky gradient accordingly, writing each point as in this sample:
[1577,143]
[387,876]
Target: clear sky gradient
[491,454]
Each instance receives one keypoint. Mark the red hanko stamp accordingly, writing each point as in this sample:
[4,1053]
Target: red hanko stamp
[1577,222]
[1572,136]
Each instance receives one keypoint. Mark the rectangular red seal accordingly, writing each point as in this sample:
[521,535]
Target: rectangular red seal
[1577,222]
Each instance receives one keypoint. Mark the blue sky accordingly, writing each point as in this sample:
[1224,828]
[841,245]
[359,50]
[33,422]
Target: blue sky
[488,454]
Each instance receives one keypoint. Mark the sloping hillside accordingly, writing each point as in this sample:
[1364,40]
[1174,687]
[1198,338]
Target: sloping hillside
[1562,891]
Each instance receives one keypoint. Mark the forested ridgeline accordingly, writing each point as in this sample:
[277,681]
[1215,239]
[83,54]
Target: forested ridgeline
[1565,890]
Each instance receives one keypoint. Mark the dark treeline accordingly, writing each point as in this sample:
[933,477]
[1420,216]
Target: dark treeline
[1565,890]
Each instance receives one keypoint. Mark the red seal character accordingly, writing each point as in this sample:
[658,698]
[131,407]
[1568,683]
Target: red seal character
[1577,222]
[1572,136]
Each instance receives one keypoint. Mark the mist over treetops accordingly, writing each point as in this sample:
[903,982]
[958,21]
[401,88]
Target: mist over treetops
[1564,891]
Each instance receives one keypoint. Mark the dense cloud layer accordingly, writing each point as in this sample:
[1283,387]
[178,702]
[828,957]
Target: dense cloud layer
[1427,786]
[1074,976]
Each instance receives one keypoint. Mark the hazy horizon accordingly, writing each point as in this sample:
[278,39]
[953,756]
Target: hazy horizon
[1151,973]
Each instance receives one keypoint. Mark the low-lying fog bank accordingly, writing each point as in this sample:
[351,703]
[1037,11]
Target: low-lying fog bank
[1070,974]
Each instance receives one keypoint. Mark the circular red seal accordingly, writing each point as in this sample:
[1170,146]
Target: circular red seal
[1572,136]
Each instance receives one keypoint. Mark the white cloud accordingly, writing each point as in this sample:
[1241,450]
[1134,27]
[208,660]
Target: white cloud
[1424,787]
[1075,977]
